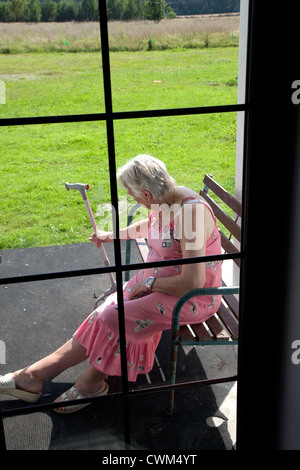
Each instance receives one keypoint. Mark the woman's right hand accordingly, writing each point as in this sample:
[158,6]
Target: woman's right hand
[101,237]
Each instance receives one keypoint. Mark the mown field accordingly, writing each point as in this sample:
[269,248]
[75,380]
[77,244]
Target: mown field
[36,161]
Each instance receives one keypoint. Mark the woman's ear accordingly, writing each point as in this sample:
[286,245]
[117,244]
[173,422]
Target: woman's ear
[147,195]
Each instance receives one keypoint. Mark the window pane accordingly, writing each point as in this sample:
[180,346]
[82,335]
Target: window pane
[51,84]
[36,162]
[190,146]
[46,314]
[168,77]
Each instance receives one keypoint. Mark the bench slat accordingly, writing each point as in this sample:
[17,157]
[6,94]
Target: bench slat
[185,334]
[217,329]
[201,332]
[228,247]
[230,200]
[232,302]
[229,322]
[223,217]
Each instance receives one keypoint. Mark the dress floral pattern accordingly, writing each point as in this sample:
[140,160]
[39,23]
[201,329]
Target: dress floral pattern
[148,316]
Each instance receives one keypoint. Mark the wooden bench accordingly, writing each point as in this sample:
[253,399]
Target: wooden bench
[222,327]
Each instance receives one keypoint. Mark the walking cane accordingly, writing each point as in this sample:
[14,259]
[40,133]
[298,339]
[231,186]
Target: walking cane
[82,189]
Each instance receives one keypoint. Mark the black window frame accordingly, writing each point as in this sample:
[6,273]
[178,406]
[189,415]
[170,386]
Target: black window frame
[109,117]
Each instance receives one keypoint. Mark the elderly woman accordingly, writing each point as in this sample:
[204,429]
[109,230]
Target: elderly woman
[180,225]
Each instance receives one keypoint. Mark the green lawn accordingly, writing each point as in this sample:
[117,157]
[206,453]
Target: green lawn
[36,161]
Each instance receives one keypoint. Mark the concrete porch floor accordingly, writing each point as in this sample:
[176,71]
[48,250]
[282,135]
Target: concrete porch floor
[38,317]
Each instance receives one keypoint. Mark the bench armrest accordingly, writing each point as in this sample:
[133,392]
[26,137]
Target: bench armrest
[194,293]
[131,213]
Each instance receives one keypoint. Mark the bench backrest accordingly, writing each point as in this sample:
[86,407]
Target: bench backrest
[228,212]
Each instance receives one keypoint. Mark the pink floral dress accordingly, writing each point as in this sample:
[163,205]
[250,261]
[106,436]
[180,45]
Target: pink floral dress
[148,316]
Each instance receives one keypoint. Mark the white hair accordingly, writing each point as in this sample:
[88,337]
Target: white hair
[146,173]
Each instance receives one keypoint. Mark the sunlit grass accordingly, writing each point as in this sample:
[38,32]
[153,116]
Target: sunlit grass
[36,161]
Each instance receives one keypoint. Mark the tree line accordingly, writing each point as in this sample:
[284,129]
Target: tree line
[204,7]
[82,10]
[125,10]
[48,10]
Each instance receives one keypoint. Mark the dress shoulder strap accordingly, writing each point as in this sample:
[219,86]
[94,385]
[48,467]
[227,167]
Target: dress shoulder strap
[189,199]
[192,199]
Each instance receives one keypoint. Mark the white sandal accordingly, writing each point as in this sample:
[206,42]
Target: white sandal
[74,394]
[8,387]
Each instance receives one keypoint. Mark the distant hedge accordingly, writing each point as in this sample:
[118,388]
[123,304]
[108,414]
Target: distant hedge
[82,10]
[124,10]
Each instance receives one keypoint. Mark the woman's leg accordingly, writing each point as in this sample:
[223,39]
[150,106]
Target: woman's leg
[31,378]
[91,382]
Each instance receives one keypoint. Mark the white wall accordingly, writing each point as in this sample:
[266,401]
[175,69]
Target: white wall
[244,8]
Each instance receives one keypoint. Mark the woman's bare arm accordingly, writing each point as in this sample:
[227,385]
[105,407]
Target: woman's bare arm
[192,275]
[134,231]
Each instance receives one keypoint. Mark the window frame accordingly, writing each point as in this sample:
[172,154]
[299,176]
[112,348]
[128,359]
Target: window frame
[109,117]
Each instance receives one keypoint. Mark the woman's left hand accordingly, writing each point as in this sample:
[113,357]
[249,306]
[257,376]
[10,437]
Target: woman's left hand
[138,290]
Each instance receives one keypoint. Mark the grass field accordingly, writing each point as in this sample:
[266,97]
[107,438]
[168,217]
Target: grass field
[206,31]
[36,161]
